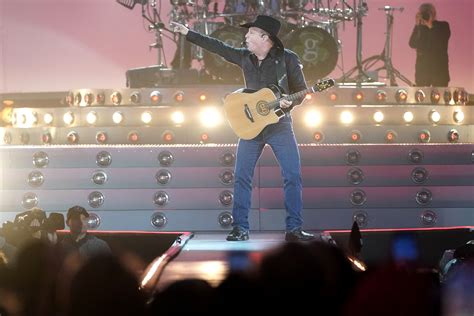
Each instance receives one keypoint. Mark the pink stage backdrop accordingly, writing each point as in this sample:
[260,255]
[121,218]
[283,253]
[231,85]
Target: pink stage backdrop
[53,45]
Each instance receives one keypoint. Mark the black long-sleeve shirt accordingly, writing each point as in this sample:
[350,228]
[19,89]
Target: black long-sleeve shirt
[432,64]
[256,76]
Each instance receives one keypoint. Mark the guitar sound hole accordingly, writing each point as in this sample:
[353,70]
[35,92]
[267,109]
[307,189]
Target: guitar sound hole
[262,108]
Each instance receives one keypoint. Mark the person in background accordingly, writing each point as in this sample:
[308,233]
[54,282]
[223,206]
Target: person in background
[79,239]
[430,38]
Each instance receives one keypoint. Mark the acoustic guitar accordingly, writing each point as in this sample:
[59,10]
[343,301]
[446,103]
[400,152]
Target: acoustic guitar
[249,112]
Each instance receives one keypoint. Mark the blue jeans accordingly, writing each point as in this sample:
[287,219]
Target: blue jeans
[282,140]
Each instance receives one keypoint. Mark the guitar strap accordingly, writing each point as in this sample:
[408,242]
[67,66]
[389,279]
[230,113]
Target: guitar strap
[282,78]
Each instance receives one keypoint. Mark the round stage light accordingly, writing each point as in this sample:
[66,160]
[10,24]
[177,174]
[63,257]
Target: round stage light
[346,117]
[434,116]
[415,156]
[99,177]
[161,198]
[202,97]
[420,96]
[210,117]
[135,97]
[381,96]
[456,96]
[158,220]
[458,116]
[227,159]
[89,98]
[408,117]
[7,138]
[165,158]
[35,179]
[103,159]
[93,221]
[391,136]
[227,177]
[91,117]
[146,117]
[72,137]
[312,118]
[447,96]
[378,117]
[116,98]
[78,99]
[358,197]
[453,136]
[163,177]
[424,136]
[435,96]
[29,200]
[225,219]
[40,159]
[48,118]
[100,98]
[355,136]
[204,137]
[70,99]
[155,97]
[117,117]
[25,138]
[177,117]
[179,96]
[46,137]
[333,96]
[358,96]
[167,136]
[318,137]
[353,157]
[401,96]
[361,218]
[95,199]
[68,118]
[419,175]
[428,218]
[355,176]
[423,197]
[226,197]
[133,137]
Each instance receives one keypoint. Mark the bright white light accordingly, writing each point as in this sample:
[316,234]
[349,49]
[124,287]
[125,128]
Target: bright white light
[24,118]
[435,116]
[458,116]
[346,117]
[91,117]
[177,117]
[117,117]
[312,118]
[48,118]
[146,117]
[378,117]
[210,117]
[408,117]
[68,118]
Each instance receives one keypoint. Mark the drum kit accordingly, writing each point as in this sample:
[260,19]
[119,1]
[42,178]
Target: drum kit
[309,28]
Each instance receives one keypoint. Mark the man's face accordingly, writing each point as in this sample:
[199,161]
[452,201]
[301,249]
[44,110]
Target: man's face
[254,38]
[78,224]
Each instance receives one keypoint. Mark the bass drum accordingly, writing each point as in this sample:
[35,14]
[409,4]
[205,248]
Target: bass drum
[217,66]
[317,50]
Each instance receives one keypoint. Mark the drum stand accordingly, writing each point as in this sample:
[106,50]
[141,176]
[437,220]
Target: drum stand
[386,55]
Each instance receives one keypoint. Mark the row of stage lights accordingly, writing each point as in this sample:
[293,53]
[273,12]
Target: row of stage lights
[116,98]
[169,137]
[209,117]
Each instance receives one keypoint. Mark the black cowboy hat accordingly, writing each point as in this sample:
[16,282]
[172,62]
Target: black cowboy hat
[269,25]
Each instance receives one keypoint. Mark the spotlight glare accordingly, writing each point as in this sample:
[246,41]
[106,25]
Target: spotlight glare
[435,117]
[378,117]
[312,118]
[210,117]
[146,117]
[68,118]
[117,117]
[177,117]
[91,117]
[48,118]
[458,116]
[346,117]
[408,117]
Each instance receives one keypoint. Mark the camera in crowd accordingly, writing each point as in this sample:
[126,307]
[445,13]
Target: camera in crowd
[31,224]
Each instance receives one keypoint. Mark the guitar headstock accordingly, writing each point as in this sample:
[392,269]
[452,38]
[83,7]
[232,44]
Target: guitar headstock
[324,84]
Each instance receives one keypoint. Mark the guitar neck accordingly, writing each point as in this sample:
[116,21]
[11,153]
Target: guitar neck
[291,97]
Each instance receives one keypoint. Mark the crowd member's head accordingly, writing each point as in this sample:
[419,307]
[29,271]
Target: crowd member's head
[76,219]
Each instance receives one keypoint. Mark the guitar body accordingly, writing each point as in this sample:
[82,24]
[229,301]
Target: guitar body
[248,114]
